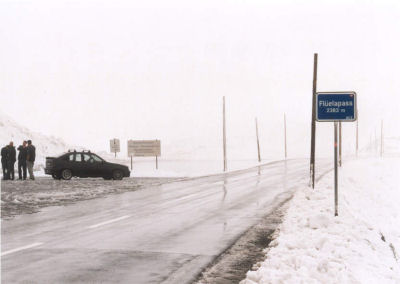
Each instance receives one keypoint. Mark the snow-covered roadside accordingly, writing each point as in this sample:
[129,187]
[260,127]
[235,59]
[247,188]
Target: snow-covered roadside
[177,168]
[361,245]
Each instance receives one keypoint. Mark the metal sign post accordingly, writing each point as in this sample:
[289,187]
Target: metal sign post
[337,107]
[340,143]
[335,148]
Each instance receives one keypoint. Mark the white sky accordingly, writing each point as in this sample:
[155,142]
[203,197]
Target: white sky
[88,71]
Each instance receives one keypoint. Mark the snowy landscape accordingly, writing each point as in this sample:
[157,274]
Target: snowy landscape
[311,245]
[361,245]
[174,165]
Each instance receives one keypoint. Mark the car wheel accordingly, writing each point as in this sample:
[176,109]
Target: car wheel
[66,174]
[118,175]
[55,176]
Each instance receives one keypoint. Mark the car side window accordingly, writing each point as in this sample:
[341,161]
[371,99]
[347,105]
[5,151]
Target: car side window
[78,158]
[96,159]
[88,158]
[70,157]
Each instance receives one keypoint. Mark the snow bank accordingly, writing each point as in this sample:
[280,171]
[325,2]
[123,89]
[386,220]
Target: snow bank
[183,168]
[361,245]
[45,145]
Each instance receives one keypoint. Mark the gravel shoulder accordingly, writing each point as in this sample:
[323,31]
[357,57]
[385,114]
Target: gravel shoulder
[27,197]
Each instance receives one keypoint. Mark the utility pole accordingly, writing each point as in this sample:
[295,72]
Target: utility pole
[340,143]
[357,135]
[313,116]
[224,132]
[284,122]
[258,142]
[381,137]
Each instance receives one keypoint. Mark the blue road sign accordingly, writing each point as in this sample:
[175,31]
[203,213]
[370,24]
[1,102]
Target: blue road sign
[336,106]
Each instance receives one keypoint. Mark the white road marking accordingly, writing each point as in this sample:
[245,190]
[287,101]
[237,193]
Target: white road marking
[21,248]
[109,221]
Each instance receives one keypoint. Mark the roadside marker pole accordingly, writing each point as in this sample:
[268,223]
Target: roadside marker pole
[340,144]
[258,142]
[381,137]
[284,122]
[336,167]
[131,163]
[156,162]
[313,116]
[357,135]
[224,132]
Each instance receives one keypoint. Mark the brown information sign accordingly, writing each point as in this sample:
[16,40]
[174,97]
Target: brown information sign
[144,148]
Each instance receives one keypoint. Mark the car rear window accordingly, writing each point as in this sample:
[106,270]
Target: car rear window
[96,158]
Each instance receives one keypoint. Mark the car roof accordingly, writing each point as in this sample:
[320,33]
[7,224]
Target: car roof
[74,151]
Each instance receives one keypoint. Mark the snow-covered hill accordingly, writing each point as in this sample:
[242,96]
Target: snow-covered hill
[45,145]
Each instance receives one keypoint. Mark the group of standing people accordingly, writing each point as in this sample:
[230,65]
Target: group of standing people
[26,159]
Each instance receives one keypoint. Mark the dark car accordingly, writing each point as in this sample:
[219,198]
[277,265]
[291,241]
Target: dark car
[83,164]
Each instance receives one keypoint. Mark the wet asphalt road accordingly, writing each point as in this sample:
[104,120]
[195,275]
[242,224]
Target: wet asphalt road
[163,234]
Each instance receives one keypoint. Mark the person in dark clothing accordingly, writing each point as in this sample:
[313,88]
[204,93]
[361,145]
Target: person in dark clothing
[4,156]
[30,158]
[22,160]
[11,158]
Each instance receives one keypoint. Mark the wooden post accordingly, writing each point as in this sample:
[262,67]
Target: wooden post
[357,135]
[224,133]
[313,117]
[340,143]
[381,137]
[258,143]
[156,162]
[284,121]
[370,142]
[131,163]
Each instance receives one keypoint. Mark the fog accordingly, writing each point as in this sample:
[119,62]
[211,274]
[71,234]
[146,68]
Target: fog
[89,71]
